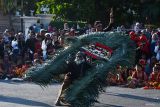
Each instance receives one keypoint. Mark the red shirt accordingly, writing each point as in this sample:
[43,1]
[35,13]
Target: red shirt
[155,77]
[141,75]
[37,47]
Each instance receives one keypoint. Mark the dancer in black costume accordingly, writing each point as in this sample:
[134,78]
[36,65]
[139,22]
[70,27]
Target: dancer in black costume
[76,69]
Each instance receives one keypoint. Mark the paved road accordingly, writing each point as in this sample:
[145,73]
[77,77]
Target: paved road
[19,94]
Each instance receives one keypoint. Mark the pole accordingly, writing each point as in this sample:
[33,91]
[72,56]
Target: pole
[22,15]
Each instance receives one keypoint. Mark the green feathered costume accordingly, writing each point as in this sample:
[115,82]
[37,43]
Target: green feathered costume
[84,92]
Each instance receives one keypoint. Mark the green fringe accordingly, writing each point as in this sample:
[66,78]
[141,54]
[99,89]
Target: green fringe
[84,92]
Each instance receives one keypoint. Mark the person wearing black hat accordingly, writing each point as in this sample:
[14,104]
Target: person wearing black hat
[77,66]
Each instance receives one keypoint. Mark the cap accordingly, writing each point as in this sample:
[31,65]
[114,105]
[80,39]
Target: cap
[47,35]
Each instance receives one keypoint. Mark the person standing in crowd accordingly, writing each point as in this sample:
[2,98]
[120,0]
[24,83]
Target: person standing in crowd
[6,65]
[38,45]
[21,45]
[88,28]
[137,28]
[154,40]
[62,37]
[144,45]
[12,34]
[47,46]
[42,34]
[1,47]
[98,26]
[15,49]
[66,27]
[6,36]
[50,29]
[30,45]
[157,51]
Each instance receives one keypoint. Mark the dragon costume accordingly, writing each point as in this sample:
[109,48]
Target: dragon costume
[84,92]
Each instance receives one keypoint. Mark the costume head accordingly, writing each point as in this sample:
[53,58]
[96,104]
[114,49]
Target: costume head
[79,58]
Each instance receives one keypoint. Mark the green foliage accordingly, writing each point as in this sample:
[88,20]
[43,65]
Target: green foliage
[60,24]
[7,5]
[84,92]
[91,10]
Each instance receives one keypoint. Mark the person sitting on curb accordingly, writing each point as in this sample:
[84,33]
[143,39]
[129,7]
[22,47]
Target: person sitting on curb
[139,78]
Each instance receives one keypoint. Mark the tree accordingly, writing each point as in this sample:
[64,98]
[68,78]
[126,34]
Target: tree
[125,11]
[7,6]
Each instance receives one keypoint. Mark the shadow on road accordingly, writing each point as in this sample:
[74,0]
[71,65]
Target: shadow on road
[12,82]
[135,97]
[27,102]
[107,105]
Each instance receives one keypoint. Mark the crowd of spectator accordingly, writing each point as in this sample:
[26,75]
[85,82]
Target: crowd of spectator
[146,72]
[18,52]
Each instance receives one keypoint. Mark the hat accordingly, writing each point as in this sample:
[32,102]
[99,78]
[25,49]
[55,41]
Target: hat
[132,33]
[42,30]
[137,23]
[142,62]
[47,35]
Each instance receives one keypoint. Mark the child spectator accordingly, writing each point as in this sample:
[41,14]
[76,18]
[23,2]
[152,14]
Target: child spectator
[111,79]
[120,79]
[139,78]
[155,75]
[154,79]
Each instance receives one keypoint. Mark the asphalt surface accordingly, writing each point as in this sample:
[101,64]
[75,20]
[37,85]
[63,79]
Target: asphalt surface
[20,94]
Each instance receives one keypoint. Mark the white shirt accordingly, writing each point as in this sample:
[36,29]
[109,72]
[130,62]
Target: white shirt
[14,44]
[157,51]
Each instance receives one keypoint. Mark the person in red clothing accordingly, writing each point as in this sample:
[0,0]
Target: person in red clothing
[134,36]
[154,79]
[143,45]
[155,75]
[38,45]
[139,78]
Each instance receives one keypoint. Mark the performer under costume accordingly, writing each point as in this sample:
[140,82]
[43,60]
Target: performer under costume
[76,69]
[85,90]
